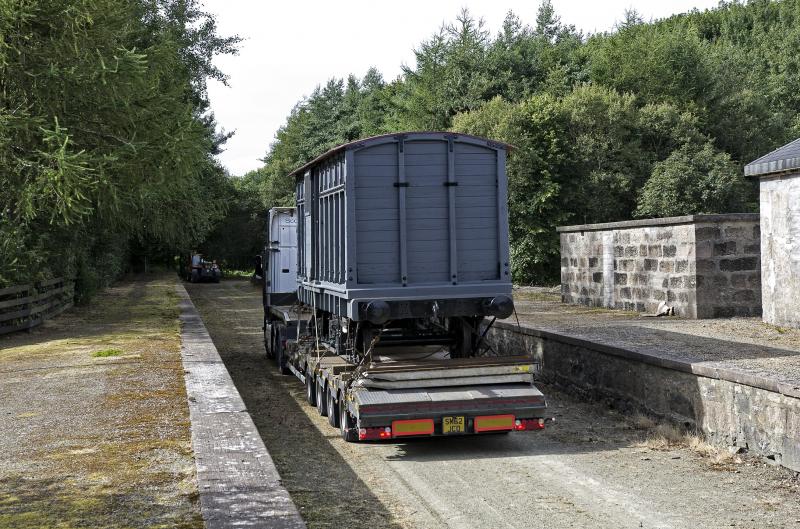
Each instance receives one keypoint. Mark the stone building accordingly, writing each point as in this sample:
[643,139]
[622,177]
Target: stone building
[704,266]
[779,174]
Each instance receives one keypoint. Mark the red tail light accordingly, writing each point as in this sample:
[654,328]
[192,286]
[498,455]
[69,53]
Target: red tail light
[367,434]
[529,424]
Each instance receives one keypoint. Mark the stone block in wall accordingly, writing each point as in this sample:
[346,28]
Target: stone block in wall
[707,233]
[724,248]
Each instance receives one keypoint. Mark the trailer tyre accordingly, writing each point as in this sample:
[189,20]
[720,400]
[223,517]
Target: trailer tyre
[278,351]
[268,343]
[322,405]
[333,409]
[311,391]
[347,425]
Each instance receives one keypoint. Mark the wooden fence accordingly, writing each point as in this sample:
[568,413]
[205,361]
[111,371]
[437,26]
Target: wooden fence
[26,306]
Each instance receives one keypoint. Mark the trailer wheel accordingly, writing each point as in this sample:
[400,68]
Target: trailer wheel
[347,425]
[311,393]
[268,343]
[322,405]
[333,409]
[278,352]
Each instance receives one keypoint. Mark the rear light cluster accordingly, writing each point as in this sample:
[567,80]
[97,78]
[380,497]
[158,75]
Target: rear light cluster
[425,427]
[529,424]
[368,434]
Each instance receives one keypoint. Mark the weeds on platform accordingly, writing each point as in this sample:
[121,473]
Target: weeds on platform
[665,436]
[106,353]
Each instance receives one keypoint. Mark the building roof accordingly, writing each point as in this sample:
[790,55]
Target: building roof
[781,160]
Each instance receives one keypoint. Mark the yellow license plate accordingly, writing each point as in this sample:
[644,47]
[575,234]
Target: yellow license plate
[453,425]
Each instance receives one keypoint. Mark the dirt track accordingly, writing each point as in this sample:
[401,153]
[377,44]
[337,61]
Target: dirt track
[594,468]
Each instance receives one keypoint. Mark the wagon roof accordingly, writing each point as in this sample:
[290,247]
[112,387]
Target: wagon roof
[377,139]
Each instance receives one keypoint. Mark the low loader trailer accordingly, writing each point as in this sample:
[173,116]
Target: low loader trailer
[400,394]
[383,282]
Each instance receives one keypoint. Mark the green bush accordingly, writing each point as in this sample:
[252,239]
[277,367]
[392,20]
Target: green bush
[695,179]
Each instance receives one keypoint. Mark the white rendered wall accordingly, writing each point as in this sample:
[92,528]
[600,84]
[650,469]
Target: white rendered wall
[780,250]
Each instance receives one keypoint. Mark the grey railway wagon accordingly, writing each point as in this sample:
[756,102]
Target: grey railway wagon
[416,220]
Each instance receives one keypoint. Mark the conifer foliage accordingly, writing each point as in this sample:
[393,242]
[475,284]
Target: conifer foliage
[649,119]
[106,141]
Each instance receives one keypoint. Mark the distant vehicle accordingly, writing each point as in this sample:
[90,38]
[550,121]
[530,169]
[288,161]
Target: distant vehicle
[382,283]
[198,269]
[258,270]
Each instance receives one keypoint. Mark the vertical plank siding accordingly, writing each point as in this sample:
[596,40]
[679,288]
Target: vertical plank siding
[403,215]
[26,306]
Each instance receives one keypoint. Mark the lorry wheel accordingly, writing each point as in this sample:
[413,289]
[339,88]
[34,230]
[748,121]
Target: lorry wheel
[333,410]
[311,393]
[347,426]
[268,339]
[279,353]
[322,406]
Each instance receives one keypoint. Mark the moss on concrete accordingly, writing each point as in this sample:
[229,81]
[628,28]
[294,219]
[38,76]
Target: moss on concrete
[108,443]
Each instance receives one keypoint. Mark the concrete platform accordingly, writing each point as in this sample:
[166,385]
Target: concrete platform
[238,482]
[737,380]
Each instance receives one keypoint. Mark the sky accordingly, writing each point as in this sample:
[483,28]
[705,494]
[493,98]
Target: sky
[290,47]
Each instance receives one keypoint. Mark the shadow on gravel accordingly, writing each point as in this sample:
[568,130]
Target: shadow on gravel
[580,427]
[322,484]
[692,347]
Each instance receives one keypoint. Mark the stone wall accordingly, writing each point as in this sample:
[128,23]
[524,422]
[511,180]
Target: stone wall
[780,247]
[704,266]
[730,407]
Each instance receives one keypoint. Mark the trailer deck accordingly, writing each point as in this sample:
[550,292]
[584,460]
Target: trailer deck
[382,407]
[403,392]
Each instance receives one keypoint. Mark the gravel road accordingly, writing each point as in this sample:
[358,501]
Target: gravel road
[593,468]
